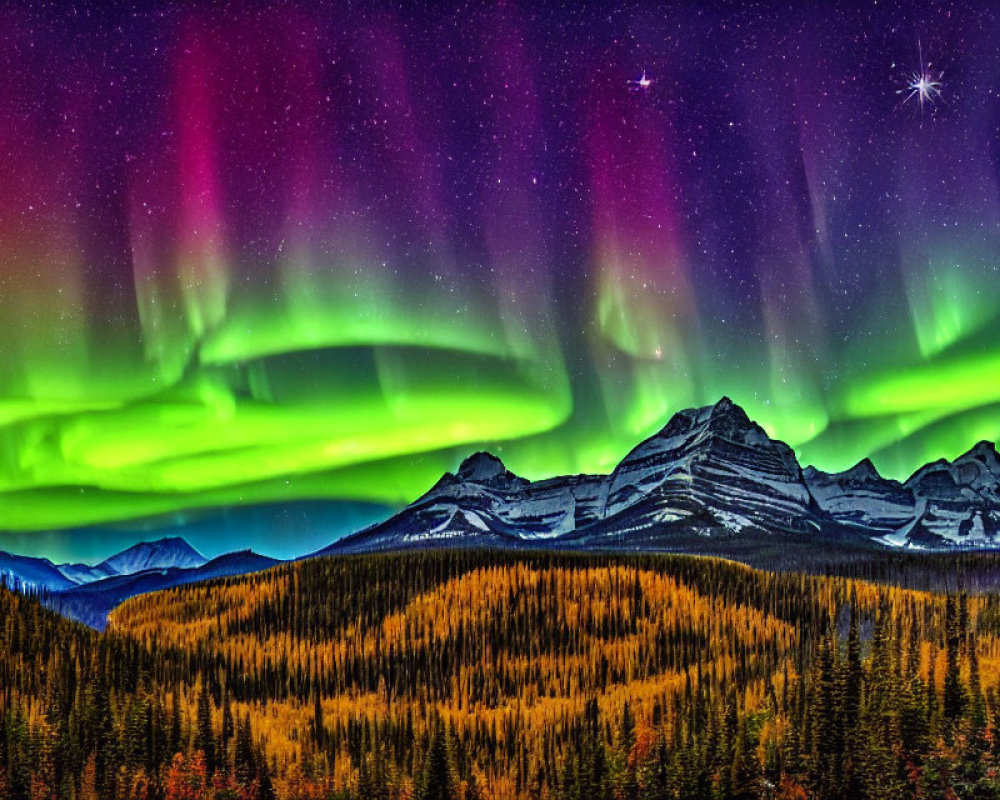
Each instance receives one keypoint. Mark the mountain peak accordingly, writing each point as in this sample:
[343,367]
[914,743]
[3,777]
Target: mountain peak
[170,551]
[864,470]
[726,412]
[481,467]
[983,451]
[702,426]
[722,415]
[169,541]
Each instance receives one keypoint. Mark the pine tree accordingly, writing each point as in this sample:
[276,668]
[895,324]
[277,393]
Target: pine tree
[746,773]
[932,695]
[319,729]
[654,772]
[852,676]
[174,737]
[977,704]
[205,736]
[472,788]
[437,782]
[228,731]
[954,694]
[623,768]
[879,779]
[103,730]
[88,781]
[828,736]
[265,789]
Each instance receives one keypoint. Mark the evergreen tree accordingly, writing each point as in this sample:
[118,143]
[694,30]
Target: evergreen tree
[205,736]
[319,729]
[746,777]
[624,772]
[437,781]
[472,788]
[976,702]
[852,676]
[827,719]
[954,695]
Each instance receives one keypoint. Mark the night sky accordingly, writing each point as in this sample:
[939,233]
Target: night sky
[326,251]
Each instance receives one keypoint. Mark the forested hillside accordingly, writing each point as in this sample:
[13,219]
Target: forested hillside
[499,675]
[84,715]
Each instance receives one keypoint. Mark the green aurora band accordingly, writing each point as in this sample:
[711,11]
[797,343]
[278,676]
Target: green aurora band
[328,290]
[380,421]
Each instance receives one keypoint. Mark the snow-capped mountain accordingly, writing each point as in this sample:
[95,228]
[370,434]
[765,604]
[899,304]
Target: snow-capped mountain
[25,573]
[958,501]
[161,554]
[710,471]
[31,574]
[87,593]
[860,499]
[712,465]
[484,504]
[85,573]
[91,603]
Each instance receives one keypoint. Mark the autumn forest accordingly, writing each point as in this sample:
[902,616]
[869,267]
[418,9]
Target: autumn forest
[479,674]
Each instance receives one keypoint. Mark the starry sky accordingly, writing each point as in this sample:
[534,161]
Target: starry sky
[321,252]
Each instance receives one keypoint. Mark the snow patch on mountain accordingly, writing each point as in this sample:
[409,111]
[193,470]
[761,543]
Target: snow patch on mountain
[161,554]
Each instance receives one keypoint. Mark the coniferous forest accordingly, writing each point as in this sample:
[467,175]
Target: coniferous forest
[476,674]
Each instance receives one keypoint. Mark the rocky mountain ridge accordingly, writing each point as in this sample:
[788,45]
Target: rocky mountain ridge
[710,471]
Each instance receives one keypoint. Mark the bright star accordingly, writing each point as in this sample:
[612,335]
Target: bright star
[642,82]
[923,85]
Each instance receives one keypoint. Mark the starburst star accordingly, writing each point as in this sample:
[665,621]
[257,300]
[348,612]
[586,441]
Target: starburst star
[642,82]
[923,84]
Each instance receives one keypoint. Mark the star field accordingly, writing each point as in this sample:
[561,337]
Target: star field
[323,251]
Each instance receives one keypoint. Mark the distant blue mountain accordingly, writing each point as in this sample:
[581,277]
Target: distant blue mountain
[283,530]
[161,554]
[87,593]
[85,573]
[91,602]
[24,573]
[171,551]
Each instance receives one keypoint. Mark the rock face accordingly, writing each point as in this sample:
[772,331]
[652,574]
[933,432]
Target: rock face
[860,499]
[710,471]
[484,504]
[715,463]
[958,503]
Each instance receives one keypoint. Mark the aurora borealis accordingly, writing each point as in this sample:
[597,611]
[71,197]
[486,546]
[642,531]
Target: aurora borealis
[324,251]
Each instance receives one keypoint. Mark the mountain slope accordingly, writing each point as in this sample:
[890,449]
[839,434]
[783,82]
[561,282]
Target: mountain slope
[861,499]
[483,504]
[25,573]
[161,554]
[710,471]
[712,468]
[85,573]
[91,603]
